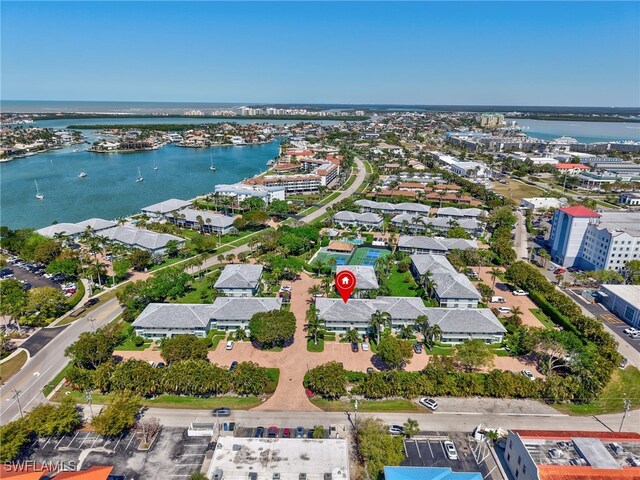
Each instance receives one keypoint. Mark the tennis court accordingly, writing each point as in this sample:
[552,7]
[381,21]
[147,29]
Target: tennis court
[367,256]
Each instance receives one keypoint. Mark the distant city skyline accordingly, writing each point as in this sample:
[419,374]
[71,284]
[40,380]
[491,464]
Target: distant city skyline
[454,53]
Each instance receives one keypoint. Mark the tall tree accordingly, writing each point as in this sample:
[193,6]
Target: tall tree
[378,322]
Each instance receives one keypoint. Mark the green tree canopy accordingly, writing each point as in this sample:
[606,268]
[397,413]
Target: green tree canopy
[473,354]
[183,347]
[94,348]
[394,352]
[140,259]
[118,416]
[328,380]
[272,328]
[49,301]
[376,447]
[50,419]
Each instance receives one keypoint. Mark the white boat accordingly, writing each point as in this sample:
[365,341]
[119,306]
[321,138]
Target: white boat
[82,174]
[155,167]
[39,196]
[139,179]
[211,165]
[75,150]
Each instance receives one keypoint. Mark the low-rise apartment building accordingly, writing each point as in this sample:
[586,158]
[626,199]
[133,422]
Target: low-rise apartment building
[351,219]
[205,222]
[240,280]
[435,245]
[242,191]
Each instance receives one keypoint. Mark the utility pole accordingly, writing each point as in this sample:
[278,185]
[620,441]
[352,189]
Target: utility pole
[91,320]
[627,406]
[17,397]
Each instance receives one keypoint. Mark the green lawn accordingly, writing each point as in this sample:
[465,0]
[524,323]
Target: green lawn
[540,315]
[172,401]
[167,262]
[199,292]
[12,366]
[623,384]
[333,196]
[392,405]
[315,348]
[128,345]
[56,380]
[215,341]
[402,284]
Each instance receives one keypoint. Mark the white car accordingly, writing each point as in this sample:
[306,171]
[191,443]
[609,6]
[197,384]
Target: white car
[396,430]
[230,345]
[520,293]
[430,403]
[528,374]
[630,331]
[504,310]
[365,347]
[450,450]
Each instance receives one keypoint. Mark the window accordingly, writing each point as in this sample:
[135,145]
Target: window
[519,460]
[524,469]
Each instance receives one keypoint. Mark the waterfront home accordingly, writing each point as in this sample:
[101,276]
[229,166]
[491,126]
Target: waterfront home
[392,208]
[436,245]
[242,191]
[140,238]
[366,280]
[74,230]
[162,209]
[205,222]
[352,219]
[240,280]
[450,288]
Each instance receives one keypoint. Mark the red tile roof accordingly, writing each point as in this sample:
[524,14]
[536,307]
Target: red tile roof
[570,166]
[569,472]
[97,472]
[22,472]
[580,211]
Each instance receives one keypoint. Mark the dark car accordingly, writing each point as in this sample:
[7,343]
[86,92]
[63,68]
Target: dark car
[354,347]
[286,433]
[91,302]
[259,432]
[160,365]
[272,432]
[299,432]
[370,370]
[233,365]
[417,348]
[222,412]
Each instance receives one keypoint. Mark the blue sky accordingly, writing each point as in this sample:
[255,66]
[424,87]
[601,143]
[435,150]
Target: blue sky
[503,53]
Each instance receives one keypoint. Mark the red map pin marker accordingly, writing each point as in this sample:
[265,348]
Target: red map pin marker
[345,283]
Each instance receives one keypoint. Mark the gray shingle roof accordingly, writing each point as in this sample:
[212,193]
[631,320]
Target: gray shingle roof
[454,285]
[460,212]
[431,263]
[217,220]
[227,308]
[469,320]
[96,224]
[345,216]
[60,228]
[167,206]
[435,243]
[173,315]
[438,222]
[138,237]
[365,276]
[239,275]
[360,310]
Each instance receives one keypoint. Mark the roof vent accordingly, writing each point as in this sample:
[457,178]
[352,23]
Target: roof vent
[302,476]
[276,476]
[236,447]
[327,476]
[217,475]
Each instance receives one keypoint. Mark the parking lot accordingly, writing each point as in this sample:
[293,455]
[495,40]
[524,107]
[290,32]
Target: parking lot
[427,450]
[173,453]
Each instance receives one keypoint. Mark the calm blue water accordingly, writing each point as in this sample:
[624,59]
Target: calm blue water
[589,132]
[110,190]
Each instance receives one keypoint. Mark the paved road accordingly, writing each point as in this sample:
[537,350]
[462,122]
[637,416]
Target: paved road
[45,365]
[446,422]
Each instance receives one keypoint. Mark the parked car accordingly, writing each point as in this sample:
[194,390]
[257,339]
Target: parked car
[528,374]
[559,271]
[497,299]
[417,348]
[229,345]
[624,362]
[259,432]
[396,430]
[429,403]
[233,365]
[91,302]
[505,310]
[354,347]
[365,347]
[630,330]
[520,293]
[222,412]
[299,432]
[272,432]
[160,365]
[286,433]
[450,448]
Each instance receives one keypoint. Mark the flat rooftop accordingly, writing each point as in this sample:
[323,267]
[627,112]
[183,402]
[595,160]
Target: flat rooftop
[237,457]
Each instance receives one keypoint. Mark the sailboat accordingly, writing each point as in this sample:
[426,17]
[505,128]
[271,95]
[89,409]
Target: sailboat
[82,174]
[211,165]
[39,196]
[139,179]
[155,167]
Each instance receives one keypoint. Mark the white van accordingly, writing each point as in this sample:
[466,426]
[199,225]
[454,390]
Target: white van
[230,345]
[498,300]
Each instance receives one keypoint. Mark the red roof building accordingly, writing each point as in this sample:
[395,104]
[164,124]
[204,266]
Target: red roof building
[580,211]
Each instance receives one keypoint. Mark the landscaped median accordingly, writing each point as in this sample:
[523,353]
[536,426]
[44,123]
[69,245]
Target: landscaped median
[10,366]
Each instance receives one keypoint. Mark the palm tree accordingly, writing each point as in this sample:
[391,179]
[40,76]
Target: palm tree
[406,332]
[516,313]
[411,427]
[314,291]
[494,272]
[352,336]
[433,334]
[422,323]
[379,320]
[314,324]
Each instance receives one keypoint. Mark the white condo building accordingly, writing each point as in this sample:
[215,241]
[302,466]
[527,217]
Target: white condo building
[594,241]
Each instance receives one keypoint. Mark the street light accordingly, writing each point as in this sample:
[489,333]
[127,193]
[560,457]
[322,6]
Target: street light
[88,396]
[627,406]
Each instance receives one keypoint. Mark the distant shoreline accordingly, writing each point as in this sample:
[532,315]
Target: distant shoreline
[76,116]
